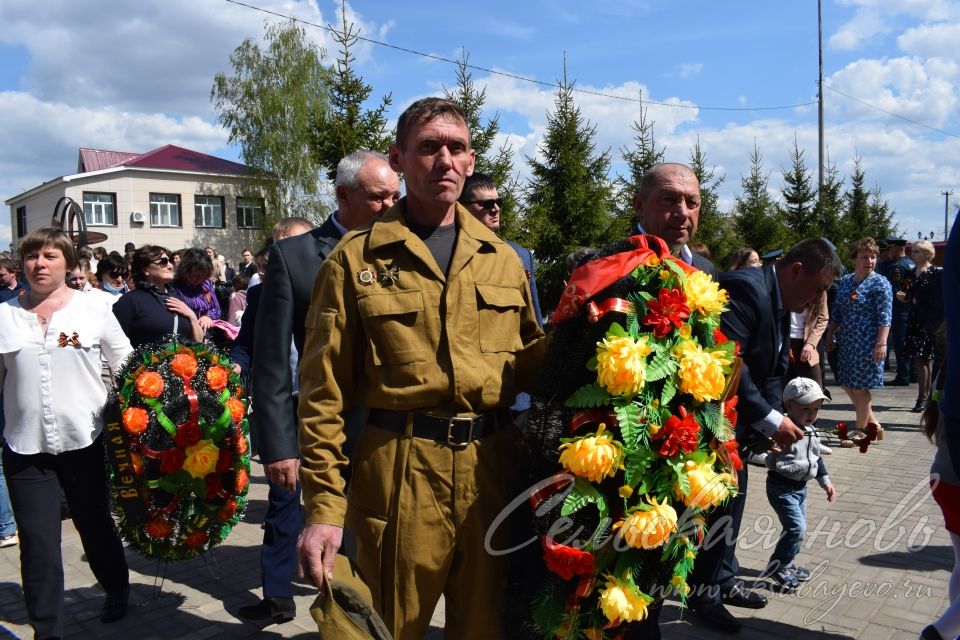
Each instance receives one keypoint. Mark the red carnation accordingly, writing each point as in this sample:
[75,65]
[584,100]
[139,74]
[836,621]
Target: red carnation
[172,460]
[196,539]
[566,561]
[734,454]
[730,411]
[719,337]
[679,434]
[667,312]
[187,435]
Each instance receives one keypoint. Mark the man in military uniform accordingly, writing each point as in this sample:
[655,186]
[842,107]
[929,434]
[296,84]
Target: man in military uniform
[425,317]
[900,275]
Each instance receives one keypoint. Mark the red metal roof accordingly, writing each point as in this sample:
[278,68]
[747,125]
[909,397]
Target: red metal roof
[169,157]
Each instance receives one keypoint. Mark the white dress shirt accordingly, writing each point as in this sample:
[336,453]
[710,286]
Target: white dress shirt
[53,395]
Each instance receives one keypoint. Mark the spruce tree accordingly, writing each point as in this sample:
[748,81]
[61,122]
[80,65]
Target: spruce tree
[569,197]
[880,215]
[498,164]
[643,156]
[345,126]
[799,197]
[755,213]
[856,214]
[828,210]
[714,228]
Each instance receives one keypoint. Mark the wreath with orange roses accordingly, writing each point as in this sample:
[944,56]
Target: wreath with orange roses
[632,436]
[178,450]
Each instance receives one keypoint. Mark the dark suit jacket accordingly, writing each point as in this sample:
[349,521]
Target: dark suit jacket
[704,265]
[753,320]
[292,267]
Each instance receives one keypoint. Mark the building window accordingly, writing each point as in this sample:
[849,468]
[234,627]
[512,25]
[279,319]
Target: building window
[21,221]
[100,208]
[208,211]
[164,210]
[249,213]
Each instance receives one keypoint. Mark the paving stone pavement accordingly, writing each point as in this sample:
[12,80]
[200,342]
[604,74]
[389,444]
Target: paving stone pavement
[880,556]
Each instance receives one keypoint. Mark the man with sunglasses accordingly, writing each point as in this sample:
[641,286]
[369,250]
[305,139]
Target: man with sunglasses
[481,198]
[366,186]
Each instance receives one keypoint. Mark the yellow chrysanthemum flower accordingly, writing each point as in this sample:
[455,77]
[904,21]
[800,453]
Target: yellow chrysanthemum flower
[593,457]
[704,295]
[686,331]
[649,529]
[653,261]
[707,487]
[701,371]
[622,365]
[621,602]
[681,586]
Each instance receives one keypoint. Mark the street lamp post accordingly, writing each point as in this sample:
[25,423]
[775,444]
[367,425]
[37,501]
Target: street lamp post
[946,211]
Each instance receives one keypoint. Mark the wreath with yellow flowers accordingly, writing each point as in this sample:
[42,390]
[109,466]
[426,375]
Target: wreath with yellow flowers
[636,441]
[178,450]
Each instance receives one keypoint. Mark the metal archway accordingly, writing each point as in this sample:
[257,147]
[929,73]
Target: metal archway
[68,216]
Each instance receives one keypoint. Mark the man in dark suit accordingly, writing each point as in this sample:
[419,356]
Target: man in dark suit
[481,198]
[365,187]
[667,205]
[758,319]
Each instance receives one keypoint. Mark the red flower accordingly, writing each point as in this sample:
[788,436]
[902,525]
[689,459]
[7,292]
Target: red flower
[214,486]
[730,411]
[184,365]
[842,432]
[187,435]
[679,434]
[159,528]
[172,460]
[566,561]
[242,481]
[667,312]
[225,461]
[734,454]
[196,539]
[227,511]
[719,337]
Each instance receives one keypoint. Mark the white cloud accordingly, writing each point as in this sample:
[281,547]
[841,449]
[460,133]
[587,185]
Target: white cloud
[931,40]
[690,69]
[866,24]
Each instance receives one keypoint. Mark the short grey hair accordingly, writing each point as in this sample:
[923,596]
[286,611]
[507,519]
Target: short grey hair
[348,169]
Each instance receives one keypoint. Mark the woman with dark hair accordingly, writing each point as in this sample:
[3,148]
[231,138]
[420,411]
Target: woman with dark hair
[112,274]
[858,329]
[744,258]
[50,349]
[149,313]
[192,283]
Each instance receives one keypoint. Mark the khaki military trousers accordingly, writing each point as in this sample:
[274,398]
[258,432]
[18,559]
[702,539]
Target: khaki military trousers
[420,511]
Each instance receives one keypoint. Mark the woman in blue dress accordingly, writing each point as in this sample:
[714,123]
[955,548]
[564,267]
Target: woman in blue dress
[858,327]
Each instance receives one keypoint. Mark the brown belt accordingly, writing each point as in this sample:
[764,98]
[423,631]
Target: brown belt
[454,431]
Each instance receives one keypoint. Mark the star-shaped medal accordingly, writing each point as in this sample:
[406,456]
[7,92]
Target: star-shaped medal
[387,275]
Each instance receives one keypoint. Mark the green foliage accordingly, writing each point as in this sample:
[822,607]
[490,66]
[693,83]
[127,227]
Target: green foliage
[629,416]
[589,395]
[755,218]
[828,210]
[880,216]
[662,366]
[856,215]
[267,105]
[714,228]
[584,493]
[642,157]
[711,418]
[636,465]
[799,197]
[548,607]
[345,126]
[569,196]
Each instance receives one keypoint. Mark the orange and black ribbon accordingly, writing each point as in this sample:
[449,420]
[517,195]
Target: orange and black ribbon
[73,341]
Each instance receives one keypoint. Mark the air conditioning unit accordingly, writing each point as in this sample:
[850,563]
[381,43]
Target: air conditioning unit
[138,216]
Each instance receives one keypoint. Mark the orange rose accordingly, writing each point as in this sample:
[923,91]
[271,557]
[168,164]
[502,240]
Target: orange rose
[237,410]
[228,510]
[217,378]
[150,384]
[135,420]
[196,539]
[159,528]
[184,365]
[242,481]
[241,446]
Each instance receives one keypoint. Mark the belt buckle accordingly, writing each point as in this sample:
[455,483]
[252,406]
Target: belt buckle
[451,422]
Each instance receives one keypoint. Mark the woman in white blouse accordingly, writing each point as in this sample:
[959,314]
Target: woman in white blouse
[50,349]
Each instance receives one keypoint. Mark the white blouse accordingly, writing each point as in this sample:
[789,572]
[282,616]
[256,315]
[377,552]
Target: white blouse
[53,395]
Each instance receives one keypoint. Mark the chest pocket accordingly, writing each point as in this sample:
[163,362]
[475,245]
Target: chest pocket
[499,310]
[394,323]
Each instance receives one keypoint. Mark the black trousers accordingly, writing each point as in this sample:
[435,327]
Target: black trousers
[34,483]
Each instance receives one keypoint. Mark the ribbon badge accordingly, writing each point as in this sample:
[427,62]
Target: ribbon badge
[73,341]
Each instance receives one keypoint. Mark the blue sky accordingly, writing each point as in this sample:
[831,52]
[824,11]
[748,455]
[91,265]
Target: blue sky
[134,76]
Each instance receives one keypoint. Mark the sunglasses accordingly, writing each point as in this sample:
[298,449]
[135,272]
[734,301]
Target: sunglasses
[486,204]
[163,262]
[118,274]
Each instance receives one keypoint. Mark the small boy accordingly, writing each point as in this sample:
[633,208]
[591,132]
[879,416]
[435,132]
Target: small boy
[789,472]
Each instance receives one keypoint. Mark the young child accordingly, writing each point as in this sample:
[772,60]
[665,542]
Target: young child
[789,472]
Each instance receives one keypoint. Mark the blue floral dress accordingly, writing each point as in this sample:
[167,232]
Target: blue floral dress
[861,308]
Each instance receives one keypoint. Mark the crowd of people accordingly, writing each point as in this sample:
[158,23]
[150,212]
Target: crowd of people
[389,354]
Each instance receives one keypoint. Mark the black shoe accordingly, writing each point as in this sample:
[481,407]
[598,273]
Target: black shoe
[716,616]
[930,633]
[271,610]
[784,581]
[898,382]
[115,606]
[739,596]
[921,406]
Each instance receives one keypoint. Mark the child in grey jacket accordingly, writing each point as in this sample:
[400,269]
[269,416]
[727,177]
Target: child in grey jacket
[789,472]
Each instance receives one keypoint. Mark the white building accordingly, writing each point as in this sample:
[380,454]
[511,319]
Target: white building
[170,196]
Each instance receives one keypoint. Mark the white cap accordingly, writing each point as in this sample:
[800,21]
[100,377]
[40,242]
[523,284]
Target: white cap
[803,390]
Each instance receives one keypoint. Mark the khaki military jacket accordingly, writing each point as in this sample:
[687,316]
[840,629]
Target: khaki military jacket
[387,329]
